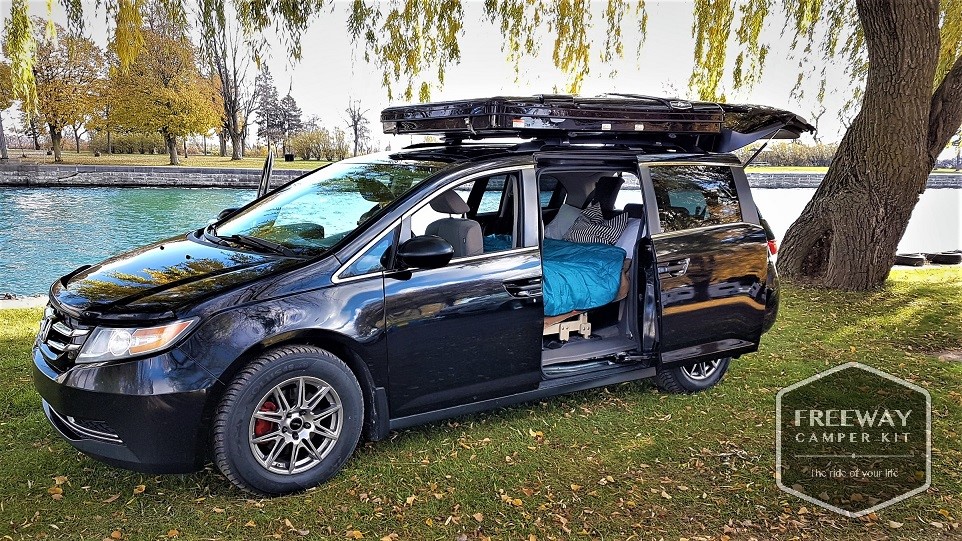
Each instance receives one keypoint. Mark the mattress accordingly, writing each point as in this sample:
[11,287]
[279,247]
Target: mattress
[576,276]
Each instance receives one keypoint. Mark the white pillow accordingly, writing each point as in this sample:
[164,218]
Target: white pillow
[562,222]
[629,238]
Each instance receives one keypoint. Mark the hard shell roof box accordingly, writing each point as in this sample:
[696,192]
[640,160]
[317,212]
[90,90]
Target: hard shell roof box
[706,126]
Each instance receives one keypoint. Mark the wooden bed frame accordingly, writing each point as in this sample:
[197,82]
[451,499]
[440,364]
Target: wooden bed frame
[576,321]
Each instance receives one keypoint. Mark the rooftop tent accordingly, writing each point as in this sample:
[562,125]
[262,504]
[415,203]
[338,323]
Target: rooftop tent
[622,118]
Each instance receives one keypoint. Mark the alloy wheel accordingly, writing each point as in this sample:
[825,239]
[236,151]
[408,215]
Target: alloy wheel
[703,370]
[295,425]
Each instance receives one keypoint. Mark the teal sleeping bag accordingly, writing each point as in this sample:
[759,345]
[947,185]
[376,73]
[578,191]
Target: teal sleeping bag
[576,276]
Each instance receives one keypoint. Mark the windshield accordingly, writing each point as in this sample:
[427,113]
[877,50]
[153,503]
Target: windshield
[317,211]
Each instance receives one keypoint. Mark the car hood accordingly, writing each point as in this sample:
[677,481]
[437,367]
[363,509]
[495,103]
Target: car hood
[159,278]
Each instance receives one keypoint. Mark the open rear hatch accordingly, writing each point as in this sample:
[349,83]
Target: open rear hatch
[693,126]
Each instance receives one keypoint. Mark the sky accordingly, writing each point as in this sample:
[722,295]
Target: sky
[332,70]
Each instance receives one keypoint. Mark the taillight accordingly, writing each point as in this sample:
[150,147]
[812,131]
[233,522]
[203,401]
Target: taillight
[772,247]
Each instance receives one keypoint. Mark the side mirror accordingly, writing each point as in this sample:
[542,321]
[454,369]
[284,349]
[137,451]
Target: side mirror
[225,213]
[425,252]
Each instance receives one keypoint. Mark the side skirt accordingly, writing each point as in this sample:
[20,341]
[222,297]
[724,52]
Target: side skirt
[547,388]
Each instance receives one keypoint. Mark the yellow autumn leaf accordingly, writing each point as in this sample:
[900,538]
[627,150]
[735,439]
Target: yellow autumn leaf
[390,537]
[410,500]
[172,533]
[250,524]
[575,488]
[139,489]
[354,534]
[54,490]
[517,502]
[116,534]
[60,479]
[478,516]
[945,513]
[429,522]
[665,495]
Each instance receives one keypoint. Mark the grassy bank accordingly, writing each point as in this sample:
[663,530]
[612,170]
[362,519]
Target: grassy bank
[159,160]
[616,463]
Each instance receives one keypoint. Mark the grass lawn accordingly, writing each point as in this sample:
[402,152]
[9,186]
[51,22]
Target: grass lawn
[624,462]
[193,160]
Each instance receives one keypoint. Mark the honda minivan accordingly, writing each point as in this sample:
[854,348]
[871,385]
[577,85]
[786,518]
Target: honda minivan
[547,244]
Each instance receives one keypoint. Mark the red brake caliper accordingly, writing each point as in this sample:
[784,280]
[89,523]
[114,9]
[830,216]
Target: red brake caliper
[262,427]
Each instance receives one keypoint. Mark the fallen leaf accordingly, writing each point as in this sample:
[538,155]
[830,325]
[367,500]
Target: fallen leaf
[575,488]
[112,498]
[57,497]
[250,524]
[221,510]
[517,502]
[60,479]
[894,524]
[410,500]
[945,513]
[354,534]
[172,533]
[389,537]
[429,522]
[116,534]
[665,495]
[478,516]
[139,489]
[54,490]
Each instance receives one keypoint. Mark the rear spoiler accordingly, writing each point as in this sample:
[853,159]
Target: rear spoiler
[624,119]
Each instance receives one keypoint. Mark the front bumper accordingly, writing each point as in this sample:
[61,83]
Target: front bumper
[146,415]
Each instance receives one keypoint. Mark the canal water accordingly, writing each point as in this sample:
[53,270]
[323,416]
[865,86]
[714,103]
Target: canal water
[45,233]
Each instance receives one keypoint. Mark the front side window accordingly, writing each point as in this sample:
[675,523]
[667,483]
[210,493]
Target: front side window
[471,231]
[314,213]
[695,196]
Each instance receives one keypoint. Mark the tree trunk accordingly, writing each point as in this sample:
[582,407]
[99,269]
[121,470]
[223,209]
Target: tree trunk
[56,141]
[110,149]
[171,141]
[35,133]
[223,143]
[76,138]
[847,235]
[3,141]
[236,148]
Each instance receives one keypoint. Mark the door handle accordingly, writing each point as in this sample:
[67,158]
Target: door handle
[525,289]
[677,267]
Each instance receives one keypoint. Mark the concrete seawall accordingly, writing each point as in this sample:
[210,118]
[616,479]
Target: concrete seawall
[49,176]
[45,176]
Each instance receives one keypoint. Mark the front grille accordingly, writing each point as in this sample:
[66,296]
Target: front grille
[60,338]
[88,428]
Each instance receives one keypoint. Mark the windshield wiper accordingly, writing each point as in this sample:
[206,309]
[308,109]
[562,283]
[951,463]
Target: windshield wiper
[257,242]
[211,237]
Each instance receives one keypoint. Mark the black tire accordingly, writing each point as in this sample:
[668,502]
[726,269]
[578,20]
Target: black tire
[302,430]
[911,260]
[687,379]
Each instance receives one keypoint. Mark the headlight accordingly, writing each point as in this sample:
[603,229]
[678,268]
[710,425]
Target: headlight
[106,344]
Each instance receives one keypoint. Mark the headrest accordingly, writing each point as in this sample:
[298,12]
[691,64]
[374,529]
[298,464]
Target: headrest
[449,203]
[635,210]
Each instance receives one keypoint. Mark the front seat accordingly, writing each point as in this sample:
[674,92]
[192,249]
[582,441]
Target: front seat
[462,233]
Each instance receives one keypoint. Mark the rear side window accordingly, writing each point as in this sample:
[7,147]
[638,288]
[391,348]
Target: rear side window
[695,196]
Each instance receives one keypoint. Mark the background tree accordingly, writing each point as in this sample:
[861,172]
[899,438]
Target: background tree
[65,70]
[163,91]
[6,100]
[268,108]
[222,45]
[357,123]
[289,119]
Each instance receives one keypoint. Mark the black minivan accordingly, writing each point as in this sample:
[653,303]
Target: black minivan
[607,239]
